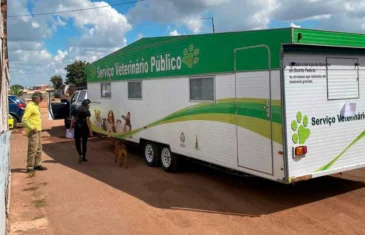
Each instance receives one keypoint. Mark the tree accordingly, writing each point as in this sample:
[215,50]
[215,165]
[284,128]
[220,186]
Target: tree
[57,82]
[16,90]
[76,72]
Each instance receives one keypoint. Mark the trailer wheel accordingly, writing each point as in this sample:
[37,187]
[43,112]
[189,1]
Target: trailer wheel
[168,160]
[150,154]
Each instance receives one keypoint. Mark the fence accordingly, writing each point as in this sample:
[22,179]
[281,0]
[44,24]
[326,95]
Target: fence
[4,180]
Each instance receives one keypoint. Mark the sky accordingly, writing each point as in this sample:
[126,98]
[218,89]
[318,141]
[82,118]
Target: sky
[42,46]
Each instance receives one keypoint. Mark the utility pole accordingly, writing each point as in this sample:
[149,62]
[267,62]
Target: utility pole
[210,18]
[5,175]
[4,69]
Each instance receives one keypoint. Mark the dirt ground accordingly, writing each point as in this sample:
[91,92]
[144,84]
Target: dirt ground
[100,198]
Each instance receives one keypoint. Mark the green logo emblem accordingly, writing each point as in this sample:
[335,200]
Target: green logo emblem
[191,56]
[300,126]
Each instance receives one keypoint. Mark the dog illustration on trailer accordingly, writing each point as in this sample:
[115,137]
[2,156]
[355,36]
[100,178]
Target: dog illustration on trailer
[103,125]
[98,122]
[110,122]
[119,126]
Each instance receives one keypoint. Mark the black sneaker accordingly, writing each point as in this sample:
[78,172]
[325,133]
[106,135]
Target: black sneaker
[84,159]
[80,159]
[30,171]
[40,168]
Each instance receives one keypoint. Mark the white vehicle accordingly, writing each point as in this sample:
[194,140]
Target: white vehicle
[63,109]
[285,104]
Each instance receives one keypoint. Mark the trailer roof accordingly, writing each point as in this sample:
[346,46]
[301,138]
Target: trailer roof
[328,38]
[189,55]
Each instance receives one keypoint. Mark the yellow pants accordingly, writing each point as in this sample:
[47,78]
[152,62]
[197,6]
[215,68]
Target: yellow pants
[34,150]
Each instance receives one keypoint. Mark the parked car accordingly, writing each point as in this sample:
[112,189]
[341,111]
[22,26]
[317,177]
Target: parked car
[27,97]
[57,95]
[10,122]
[16,108]
[63,109]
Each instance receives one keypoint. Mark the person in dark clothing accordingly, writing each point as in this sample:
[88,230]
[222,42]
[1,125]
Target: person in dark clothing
[81,122]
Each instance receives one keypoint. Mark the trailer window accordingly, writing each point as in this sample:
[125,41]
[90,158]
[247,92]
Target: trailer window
[135,90]
[106,90]
[202,89]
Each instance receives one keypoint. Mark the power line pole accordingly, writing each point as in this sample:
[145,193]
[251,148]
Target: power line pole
[210,18]
[4,68]
[4,111]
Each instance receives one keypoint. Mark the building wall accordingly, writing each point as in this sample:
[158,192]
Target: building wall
[41,88]
[4,133]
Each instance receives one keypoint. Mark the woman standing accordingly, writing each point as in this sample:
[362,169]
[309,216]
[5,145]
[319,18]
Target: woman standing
[81,122]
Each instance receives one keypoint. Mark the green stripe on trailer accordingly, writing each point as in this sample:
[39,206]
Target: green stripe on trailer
[189,55]
[193,55]
[248,117]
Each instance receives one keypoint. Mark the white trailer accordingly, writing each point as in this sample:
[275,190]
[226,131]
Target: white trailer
[286,105]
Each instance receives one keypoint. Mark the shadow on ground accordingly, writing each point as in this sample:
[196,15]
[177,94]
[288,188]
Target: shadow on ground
[19,170]
[57,131]
[196,188]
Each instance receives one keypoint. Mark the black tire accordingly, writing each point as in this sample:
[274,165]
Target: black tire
[15,120]
[67,124]
[169,161]
[150,154]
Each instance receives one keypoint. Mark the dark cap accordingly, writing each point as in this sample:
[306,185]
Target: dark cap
[86,102]
[37,94]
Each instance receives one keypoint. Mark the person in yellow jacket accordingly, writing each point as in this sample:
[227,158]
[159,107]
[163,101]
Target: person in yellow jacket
[33,127]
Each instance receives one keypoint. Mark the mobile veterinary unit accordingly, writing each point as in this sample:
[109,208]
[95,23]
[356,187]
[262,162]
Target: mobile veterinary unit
[284,104]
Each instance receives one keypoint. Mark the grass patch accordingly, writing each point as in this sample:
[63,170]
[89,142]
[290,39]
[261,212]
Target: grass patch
[39,217]
[40,202]
[30,189]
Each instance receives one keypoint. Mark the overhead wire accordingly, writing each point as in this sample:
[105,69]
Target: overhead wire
[75,10]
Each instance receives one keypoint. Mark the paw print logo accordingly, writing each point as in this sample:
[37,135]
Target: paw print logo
[300,126]
[191,56]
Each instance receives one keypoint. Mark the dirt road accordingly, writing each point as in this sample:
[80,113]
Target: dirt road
[100,198]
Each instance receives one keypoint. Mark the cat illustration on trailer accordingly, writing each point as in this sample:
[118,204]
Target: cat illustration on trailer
[127,127]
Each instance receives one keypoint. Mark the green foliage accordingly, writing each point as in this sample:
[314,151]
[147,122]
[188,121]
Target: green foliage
[57,82]
[76,72]
[16,90]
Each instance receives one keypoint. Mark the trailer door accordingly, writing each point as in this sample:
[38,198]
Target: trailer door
[324,109]
[253,110]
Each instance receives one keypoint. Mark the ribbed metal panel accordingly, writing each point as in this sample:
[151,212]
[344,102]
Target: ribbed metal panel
[327,38]
[343,78]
